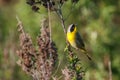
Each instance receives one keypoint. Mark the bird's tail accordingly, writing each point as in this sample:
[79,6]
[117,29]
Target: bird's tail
[85,52]
[93,64]
[88,56]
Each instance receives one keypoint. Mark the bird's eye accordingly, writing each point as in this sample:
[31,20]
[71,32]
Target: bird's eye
[72,28]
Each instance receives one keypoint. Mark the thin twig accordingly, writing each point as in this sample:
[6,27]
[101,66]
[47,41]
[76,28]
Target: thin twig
[20,25]
[60,15]
[110,71]
[57,68]
[71,9]
[49,19]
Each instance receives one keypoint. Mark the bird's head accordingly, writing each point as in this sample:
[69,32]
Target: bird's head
[72,28]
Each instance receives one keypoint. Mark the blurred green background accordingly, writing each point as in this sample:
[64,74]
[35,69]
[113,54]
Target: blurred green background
[98,22]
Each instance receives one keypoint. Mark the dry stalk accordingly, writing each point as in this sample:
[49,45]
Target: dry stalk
[37,63]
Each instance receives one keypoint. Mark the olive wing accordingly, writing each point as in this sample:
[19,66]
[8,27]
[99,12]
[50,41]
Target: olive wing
[79,42]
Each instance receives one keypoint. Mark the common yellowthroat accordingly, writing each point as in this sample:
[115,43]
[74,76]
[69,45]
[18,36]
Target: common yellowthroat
[75,39]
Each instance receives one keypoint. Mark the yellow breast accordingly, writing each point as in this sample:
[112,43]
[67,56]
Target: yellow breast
[71,39]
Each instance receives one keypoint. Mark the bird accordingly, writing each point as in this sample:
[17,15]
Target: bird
[75,39]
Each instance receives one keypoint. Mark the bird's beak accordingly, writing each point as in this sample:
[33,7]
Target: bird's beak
[75,24]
